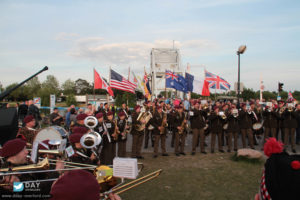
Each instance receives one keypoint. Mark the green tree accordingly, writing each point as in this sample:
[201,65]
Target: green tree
[248,94]
[68,87]
[49,86]
[83,87]
[19,94]
[71,100]
[33,87]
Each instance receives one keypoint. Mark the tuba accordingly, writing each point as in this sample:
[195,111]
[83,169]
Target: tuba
[143,116]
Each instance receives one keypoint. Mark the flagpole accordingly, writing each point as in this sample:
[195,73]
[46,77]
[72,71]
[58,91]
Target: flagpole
[94,87]
[109,76]
[128,80]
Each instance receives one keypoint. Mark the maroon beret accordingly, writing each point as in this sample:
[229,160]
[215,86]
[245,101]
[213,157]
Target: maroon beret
[99,115]
[121,114]
[28,118]
[216,107]
[195,102]
[76,185]
[44,146]
[281,102]
[180,107]
[137,107]
[109,113]
[80,130]
[158,107]
[251,103]
[81,116]
[243,104]
[12,147]
[75,138]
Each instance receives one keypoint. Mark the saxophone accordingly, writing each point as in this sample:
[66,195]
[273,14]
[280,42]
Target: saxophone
[126,131]
[164,124]
[183,125]
[116,131]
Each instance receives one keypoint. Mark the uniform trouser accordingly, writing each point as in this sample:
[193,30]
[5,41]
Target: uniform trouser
[289,132]
[213,141]
[137,141]
[235,138]
[122,148]
[162,138]
[148,134]
[179,142]
[269,132]
[298,135]
[281,133]
[108,153]
[196,134]
[249,134]
[173,137]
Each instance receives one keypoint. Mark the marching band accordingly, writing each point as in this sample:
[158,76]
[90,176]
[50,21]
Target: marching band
[99,136]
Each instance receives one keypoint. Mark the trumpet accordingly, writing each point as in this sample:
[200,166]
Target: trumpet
[222,114]
[235,112]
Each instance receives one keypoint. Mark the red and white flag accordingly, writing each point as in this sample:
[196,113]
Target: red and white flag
[100,83]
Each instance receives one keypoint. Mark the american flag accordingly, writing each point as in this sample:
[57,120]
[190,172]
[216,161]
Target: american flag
[117,81]
[216,82]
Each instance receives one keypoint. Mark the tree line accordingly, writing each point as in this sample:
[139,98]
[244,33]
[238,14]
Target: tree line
[70,88]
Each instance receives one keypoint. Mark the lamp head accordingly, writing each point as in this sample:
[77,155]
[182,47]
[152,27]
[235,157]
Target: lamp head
[242,49]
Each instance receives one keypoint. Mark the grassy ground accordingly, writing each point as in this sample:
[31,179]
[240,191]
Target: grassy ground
[208,177]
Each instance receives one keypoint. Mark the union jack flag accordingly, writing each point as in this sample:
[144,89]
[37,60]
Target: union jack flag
[216,82]
[172,75]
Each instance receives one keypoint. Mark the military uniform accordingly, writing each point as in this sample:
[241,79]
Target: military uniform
[158,135]
[122,139]
[216,128]
[108,151]
[233,131]
[179,138]
[28,133]
[137,137]
[290,125]
[270,124]
[197,124]
[246,127]
[149,133]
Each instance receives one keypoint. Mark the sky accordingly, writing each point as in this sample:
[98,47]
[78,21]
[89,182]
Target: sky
[73,37]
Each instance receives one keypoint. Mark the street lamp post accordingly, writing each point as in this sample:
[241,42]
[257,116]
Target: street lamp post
[240,51]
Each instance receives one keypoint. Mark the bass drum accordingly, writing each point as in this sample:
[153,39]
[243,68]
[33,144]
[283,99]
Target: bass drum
[257,126]
[51,133]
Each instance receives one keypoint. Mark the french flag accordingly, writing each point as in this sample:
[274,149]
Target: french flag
[197,85]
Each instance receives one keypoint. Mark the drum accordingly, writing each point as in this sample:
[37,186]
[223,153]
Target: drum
[257,126]
[51,133]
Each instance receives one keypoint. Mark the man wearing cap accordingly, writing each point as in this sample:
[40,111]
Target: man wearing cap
[122,136]
[81,155]
[55,118]
[290,125]
[159,131]
[270,122]
[137,136]
[79,121]
[216,127]
[280,126]
[109,143]
[28,132]
[197,124]
[35,112]
[179,138]
[233,128]
[125,110]
[148,133]
[246,125]
[15,154]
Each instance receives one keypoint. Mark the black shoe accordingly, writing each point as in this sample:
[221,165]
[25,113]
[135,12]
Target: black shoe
[182,153]
[177,154]
[140,157]
[221,151]
[193,153]
[235,150]
[204,152]
[212,151]
[294,150]
[228,150]
[165,154]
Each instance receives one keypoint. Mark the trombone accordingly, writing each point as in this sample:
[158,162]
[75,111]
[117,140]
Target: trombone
[132,184]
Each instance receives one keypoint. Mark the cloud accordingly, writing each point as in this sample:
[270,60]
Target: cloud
[131,53]
[66,36]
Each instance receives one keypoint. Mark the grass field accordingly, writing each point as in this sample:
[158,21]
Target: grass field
[208,177]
